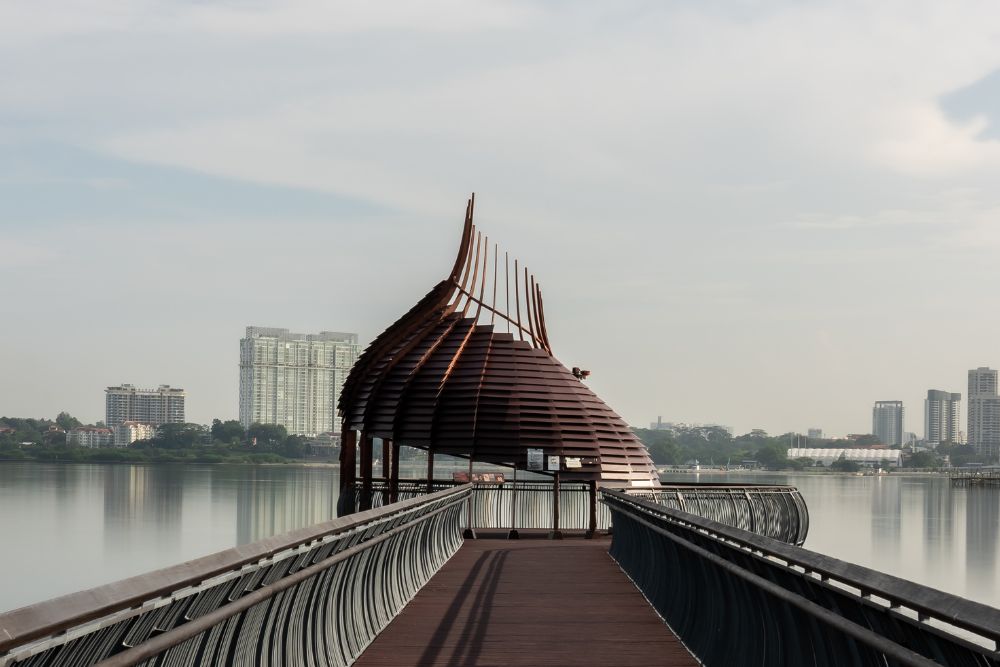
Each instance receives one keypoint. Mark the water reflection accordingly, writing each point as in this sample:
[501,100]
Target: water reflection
[122,520]
[938,523]
[142,503]
[269,504]
[886,515]
[982,516]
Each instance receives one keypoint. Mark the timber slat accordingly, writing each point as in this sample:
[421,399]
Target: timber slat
[528,602]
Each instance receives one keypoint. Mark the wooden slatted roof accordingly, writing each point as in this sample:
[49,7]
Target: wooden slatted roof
[469,371]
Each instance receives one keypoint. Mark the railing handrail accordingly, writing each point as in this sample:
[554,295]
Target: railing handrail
[582,484]
[177,635]
[953,610]
[50,617]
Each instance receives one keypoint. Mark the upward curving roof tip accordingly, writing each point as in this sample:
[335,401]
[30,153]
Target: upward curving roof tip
[469,371]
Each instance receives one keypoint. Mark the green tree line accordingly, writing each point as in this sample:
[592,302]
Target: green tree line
[222,441]
[716,446]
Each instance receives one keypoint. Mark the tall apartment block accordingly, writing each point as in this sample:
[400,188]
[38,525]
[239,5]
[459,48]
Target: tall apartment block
[126,403]
[941,419]
[984,411]
[887,422]
[294,379]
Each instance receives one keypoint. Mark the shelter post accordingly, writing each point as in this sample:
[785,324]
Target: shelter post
[430,471]
[386,459]
[348,471]
[470,532]
[592,530]
[513,534]
[366,471]
[556,534]
[394,473]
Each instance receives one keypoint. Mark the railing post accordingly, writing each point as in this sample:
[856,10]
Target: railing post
[348,472]
[394,473]
[366,471]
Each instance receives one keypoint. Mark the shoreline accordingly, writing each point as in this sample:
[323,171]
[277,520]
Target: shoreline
[901,472]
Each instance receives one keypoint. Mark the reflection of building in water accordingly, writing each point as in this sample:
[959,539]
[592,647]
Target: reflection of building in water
[886,513]
[982,530]
[142,503]
[271,501]
[938,521]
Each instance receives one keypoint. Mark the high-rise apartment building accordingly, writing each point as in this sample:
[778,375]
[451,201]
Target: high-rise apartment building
[90,436]
[984,411]
[941,417]
[126,403]
[887,422]
[294,379]
[128,432]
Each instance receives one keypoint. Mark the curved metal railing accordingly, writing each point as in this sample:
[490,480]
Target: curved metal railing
[775,511]
[738,598]
[778,512]
[315,596]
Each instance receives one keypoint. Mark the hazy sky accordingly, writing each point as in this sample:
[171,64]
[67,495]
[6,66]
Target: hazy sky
[763,214]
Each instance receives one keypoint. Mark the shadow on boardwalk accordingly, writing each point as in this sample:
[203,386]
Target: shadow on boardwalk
[528,602]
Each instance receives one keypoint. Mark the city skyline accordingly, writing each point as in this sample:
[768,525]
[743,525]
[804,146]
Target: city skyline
[720,231]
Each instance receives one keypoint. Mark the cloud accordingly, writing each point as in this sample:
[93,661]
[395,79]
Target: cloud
[922,141]
[16,254]
[675,169]
[23,19]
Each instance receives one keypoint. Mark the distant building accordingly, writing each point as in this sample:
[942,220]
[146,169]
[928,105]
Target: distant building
[126,403]
[294,380]
[815,434]
[941,417]
[128,432]
[679,427]
[888,458]
[984,411]
[90,436]
[887,422]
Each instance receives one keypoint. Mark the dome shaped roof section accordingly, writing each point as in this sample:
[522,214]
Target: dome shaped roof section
[469,372]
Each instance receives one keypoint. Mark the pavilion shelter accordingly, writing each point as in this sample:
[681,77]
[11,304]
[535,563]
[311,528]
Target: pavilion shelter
[469,372]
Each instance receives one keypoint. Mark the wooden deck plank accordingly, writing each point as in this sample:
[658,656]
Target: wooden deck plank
[528,602]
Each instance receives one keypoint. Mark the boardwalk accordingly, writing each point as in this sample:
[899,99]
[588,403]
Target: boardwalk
[528,602]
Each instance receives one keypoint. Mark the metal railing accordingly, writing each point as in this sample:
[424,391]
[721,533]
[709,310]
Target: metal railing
[316,596]
[774,511]
[738,598]
[983,477]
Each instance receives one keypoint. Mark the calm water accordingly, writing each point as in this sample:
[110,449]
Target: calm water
[918,528]
[69,527]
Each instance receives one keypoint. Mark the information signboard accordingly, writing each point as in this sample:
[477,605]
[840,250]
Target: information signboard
[553,463]
[535,459]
